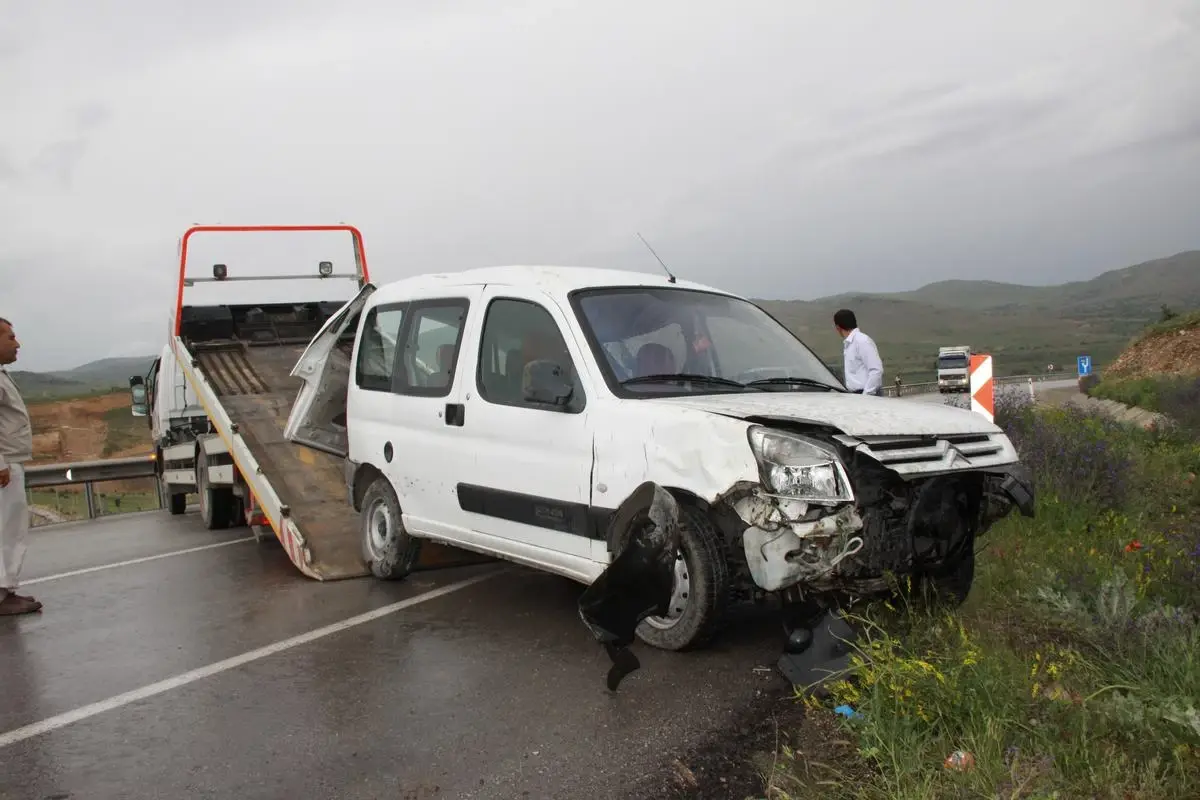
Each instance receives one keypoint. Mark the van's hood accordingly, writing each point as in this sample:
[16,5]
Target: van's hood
[852,414]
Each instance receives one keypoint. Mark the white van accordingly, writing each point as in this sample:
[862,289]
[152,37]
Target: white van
[513,411]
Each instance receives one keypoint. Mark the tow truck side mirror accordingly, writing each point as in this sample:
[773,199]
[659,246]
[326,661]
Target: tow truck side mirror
[137,391]
[545,384]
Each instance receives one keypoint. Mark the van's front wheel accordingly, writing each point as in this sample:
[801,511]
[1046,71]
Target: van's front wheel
[388,549]
[700,591]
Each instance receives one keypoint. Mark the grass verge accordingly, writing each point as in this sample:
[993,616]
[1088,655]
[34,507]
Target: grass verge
[1176,396]
[123,431]
[1073,670]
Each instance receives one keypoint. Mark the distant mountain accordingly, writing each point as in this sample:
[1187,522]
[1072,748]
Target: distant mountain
[90,378]
[1025,328]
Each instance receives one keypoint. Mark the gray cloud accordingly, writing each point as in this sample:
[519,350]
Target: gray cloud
[58,160]
[782,149]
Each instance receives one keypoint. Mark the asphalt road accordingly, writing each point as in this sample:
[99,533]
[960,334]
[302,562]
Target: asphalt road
[171,662]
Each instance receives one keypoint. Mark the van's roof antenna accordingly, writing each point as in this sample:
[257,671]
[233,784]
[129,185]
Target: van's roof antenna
[670,277]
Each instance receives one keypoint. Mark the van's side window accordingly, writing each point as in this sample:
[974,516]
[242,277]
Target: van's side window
[515,334]
[431,347]
[377,350]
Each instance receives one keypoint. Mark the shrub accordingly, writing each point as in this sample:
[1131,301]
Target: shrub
[1073,669]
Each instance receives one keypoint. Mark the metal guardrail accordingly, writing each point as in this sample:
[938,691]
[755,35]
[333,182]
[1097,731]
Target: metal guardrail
[89,473]
[929,387]
[110,469]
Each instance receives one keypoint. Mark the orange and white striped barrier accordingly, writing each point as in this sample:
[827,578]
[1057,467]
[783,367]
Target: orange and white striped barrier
[983,389]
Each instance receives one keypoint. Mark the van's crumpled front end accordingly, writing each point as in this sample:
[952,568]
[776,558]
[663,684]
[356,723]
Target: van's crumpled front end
[839,517]
[837,513]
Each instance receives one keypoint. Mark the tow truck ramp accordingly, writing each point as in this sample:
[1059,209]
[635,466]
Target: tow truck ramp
[237,360]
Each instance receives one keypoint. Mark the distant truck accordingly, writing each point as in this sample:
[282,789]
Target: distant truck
[952,369]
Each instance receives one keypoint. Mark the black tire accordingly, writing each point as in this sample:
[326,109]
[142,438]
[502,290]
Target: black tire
[387,548]
[949,587]
[216,503]
[177,503]
[707,571]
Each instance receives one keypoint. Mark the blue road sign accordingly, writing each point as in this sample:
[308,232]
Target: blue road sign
[1085,365]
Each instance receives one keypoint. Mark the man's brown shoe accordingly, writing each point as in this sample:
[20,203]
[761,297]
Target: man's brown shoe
[18,604]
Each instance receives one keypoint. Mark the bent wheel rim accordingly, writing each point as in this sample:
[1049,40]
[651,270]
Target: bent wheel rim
[379,528]
[681,590]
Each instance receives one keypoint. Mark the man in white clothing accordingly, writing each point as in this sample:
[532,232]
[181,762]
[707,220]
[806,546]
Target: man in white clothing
[16,448]
[860,358]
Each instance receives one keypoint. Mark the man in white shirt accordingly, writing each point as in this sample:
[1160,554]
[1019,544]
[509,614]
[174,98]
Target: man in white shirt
[863,369]
[16,448]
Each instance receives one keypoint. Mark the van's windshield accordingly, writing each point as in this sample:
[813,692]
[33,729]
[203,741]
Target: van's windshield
[655,341]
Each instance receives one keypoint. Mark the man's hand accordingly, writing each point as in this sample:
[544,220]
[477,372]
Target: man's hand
[5,476]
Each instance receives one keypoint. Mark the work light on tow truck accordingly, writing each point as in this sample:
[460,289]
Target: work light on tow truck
[219,271]
[325,268]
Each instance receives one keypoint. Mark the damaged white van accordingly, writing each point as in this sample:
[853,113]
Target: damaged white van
[516,412]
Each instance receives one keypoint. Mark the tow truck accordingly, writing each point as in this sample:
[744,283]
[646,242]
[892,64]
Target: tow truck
[218,398]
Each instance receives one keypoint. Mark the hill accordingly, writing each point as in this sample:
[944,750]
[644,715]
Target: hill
[1170,349]
[1025,328]
[95,377]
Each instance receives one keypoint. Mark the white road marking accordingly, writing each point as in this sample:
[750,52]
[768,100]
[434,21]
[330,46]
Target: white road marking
[91,710]
[133,561]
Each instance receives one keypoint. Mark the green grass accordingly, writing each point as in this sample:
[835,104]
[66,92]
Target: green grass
[71,504]
[1073,670]
[1178,322]
[124,431]
[1144,393]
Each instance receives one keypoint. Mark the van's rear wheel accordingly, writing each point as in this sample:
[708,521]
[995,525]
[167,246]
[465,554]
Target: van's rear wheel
[700,591]
[387,548]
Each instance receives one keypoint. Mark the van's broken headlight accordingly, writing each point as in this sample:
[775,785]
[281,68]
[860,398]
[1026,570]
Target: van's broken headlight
[801,468]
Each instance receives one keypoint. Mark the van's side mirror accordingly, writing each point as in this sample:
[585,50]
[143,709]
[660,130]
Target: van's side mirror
[137,391]
[546,384]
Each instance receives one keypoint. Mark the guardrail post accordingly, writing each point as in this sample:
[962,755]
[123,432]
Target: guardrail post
[89,494]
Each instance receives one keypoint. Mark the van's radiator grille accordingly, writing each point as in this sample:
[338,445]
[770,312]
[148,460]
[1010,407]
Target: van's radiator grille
[910,455]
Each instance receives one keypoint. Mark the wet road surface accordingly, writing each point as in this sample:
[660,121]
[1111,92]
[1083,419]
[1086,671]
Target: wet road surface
[170,671]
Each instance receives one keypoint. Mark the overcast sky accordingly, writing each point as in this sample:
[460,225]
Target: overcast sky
[787,149]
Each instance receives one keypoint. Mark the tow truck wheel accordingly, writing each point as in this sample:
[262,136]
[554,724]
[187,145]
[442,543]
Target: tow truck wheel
[216,504]
[387,548]
[177,503]
[700,591]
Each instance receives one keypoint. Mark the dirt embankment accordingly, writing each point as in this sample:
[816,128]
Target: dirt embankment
[1172,350]
[90,429]
[80,429]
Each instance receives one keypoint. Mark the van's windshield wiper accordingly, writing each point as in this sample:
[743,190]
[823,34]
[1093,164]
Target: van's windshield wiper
[683,377]
[794,382]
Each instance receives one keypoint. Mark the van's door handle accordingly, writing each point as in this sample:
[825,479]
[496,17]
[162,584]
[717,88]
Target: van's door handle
[455,414]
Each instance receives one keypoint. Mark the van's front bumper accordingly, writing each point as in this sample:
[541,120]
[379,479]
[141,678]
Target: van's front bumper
[788,543]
